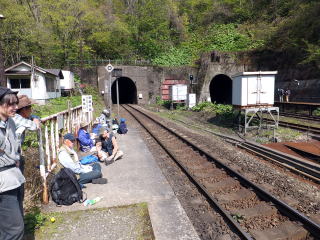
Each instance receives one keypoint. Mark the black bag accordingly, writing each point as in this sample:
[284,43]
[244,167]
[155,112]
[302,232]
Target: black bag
[65,189]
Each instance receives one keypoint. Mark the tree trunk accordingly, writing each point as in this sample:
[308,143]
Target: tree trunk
[3,81]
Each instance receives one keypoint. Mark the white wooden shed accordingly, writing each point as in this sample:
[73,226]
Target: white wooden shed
[37,83]
[251,89]
[67,83]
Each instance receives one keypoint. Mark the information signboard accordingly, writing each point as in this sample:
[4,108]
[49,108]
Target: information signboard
[87,103]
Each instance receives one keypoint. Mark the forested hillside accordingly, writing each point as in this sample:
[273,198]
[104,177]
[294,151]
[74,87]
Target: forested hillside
[166,32]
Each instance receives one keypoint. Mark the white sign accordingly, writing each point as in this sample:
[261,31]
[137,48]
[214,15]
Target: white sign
[60,121]
[109,68]
[87,103]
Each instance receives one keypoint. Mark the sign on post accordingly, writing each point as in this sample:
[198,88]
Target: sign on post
[109,68]
[87,103]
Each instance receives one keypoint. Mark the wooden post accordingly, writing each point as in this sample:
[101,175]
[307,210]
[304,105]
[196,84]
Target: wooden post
[53,146]
[57,135]
[45,196]
[47,146]
[69,117]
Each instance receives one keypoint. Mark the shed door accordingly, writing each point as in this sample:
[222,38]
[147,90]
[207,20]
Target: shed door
[252,90]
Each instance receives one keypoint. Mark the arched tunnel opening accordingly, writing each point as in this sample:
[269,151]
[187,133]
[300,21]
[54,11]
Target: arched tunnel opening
[221,89]
[127,91]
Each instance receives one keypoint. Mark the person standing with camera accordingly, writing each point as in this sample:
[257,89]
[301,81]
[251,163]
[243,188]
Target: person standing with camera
[11,178]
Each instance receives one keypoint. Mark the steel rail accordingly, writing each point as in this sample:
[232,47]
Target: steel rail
[300,116]
[309,224]
[312,171]
[244,235]
[295,164]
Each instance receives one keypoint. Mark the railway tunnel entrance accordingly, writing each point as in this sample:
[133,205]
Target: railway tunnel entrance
[221,89]
[127,91]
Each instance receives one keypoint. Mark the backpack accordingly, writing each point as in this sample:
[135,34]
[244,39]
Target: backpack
[65,189]
[122,128]
[89,159]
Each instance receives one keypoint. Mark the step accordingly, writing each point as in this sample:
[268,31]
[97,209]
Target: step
[227,183]
[285,231]
[263,209]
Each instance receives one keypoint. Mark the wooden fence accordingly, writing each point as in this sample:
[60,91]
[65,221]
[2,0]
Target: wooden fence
[54,127]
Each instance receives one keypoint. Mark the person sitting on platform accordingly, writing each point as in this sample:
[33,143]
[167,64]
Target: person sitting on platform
[68,158]
[104,117]
[123,126]
[85,141]
[109,146]
[96,127]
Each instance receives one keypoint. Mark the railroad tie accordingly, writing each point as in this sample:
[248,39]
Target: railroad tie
[263,209]
[225,184]
[287,230]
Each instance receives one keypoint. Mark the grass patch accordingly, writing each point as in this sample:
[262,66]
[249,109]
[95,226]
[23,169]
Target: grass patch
[56,105]
[124,222]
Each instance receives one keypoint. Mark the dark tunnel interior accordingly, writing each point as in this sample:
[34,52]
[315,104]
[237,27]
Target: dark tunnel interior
[127,91]
[221,89]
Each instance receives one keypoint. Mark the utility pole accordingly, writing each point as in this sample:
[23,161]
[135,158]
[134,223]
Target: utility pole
[3,81]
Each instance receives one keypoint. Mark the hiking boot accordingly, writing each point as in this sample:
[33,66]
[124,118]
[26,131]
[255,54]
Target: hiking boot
[118,155]
[99,181]
[108,162]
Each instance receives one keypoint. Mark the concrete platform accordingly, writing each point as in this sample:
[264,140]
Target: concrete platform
[134,179]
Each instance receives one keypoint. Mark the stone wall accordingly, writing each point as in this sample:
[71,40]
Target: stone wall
[148,79]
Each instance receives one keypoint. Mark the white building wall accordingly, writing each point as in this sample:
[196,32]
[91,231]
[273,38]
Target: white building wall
[38,86]
[68,81]
[253,88]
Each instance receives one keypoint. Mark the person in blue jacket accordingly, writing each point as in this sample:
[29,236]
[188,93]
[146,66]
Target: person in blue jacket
[84,138]
[96,127]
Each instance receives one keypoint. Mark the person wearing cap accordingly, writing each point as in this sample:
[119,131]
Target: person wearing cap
[105,115]
[68,158]
[122,126]
[109,145]
[11,178]
[85,141]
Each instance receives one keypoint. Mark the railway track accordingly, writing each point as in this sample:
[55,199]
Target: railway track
[251,211]
[297,165]
[300,116]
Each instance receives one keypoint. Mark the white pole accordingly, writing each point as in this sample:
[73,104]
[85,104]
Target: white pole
[118,97]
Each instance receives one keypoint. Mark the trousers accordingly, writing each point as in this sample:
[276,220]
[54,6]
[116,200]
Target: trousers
[11,224]
[87,177]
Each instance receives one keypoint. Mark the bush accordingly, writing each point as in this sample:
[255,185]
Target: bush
[316,112]
[163,103]
[218,109]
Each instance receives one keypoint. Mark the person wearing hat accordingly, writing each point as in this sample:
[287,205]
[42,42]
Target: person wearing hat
[23,122]
[85,141]
[68,158]
[96,127]
[109,145]
[11,178]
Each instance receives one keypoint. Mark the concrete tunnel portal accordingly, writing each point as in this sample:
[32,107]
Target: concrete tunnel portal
[221,89]
[127,91]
